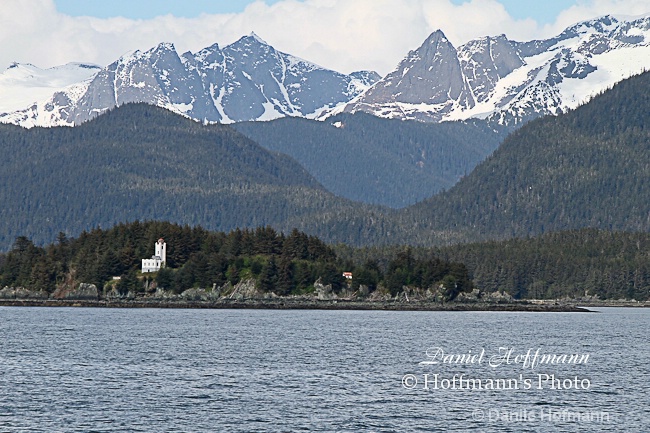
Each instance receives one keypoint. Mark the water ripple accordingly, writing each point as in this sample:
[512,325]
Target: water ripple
[111,370]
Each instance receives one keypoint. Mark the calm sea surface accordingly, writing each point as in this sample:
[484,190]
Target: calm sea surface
[148,370]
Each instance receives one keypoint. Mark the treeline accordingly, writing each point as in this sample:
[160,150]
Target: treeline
[282,264]
[575,264]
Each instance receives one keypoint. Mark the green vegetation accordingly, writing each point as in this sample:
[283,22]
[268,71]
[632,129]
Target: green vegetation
[282,264]
[543,188]
[574,264]
[605,264]
[393,163]
[587,168]
[140,162]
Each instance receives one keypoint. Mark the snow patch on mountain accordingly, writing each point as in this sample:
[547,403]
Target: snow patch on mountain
[247,80]
[22,84]
[505,81]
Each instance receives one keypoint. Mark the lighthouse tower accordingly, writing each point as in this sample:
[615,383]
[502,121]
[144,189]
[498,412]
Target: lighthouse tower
[158,260]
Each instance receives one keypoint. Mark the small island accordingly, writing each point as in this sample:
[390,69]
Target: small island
[258,268]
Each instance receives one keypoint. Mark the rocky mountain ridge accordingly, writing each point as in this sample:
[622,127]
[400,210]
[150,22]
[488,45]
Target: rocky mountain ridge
[509,82]
[247,80]
[504,81]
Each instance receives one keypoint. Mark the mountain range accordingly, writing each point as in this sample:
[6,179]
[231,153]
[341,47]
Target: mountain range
[504,81]
[509,82]
[584,168]
[247,80]
[23,84]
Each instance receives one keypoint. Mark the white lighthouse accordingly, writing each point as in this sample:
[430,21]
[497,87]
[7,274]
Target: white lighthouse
[158,260]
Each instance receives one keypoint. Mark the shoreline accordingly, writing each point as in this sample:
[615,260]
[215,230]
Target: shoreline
[301,304]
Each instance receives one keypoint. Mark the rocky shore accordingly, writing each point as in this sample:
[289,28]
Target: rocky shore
[296,304]
[245,296]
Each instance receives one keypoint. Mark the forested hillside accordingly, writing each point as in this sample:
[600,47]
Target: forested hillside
[393,163]
[608,265]
[142,162]
[575,264]
[587,168]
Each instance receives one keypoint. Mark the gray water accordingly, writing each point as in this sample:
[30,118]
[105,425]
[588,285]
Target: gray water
[149,370]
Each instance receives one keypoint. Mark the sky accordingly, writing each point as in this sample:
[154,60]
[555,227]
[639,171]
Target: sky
[542,11]
[344,35]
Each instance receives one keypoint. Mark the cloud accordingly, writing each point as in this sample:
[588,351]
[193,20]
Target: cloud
[589,9]
[345,35]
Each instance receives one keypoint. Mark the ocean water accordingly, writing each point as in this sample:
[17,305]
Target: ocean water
[165,370]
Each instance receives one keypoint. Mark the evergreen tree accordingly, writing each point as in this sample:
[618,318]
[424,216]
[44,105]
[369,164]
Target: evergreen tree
[269,275]
[128,283]
[285,277]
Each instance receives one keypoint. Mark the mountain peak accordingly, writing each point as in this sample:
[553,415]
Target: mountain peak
[505,81]
[206,53]
[494,78]
[246,80]
[436,36]
[256,37]
[428,77]
[606,19]
[163,46]
[251,41]
[603,24]
[15,65]
[435,45]
[253,37]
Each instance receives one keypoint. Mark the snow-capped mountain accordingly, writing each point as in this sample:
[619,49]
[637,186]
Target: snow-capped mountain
[506,81]
[494,78]
[247,80]
[23,84]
